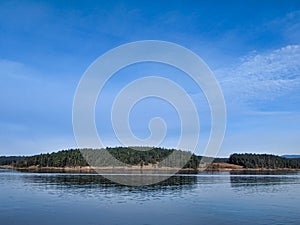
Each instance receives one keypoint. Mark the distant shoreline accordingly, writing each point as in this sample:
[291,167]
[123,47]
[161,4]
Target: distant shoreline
[104,170]
[214,167]
[145,160]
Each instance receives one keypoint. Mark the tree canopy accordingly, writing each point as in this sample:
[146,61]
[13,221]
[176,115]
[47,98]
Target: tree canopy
[131,156]
[249,160]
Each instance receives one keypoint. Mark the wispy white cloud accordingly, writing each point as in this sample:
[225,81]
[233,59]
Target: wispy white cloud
[267,113]
[262,77]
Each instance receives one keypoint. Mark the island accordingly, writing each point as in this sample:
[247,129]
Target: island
[145,160]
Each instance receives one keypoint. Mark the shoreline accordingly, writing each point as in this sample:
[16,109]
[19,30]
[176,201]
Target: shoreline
[214,167]
[103,170]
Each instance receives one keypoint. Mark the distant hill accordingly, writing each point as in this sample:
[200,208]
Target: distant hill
[147,156]
[97,157]
[266,161]
[291,156]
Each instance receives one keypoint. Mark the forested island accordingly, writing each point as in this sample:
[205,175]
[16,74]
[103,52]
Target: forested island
[145,158]
[254,161]
[134,157]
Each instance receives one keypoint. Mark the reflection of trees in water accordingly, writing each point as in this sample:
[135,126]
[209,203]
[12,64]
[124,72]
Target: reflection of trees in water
[97,185]
[261,183]
[263,172]
[259,180]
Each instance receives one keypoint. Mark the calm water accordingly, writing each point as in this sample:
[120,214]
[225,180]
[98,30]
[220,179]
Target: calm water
[219,198]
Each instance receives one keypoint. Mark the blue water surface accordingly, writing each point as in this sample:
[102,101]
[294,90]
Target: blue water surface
[208,198]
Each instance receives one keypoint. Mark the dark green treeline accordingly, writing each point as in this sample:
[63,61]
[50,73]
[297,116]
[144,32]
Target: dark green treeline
[267,161]
[132,156]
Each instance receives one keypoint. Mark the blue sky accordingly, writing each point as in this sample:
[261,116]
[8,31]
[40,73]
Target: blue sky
[251,46]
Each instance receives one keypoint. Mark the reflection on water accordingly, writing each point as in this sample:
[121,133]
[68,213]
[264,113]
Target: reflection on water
[84,181]
[94,183]
[259,178]
[237,181]
[264,172]
[206,198]
[262,183]
[97,185]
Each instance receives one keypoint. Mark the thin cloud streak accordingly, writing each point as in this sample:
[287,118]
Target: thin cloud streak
[262,76]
